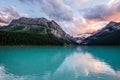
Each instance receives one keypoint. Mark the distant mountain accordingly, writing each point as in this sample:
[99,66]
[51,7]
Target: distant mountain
[109,35]
[40,31]
[32,31]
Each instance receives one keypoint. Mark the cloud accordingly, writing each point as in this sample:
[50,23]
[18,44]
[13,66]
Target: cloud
[26,0]
[95,18]
[82,26]
[78,2]
[97,13]
[7,14]
[76,21]
[56,9]
[24,15]
[64,15]
[2,21]
[4,75]
[85,64]
[105,12]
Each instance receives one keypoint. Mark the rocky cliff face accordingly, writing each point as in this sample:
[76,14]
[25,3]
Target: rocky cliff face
[48,32]
[109,35]
[40,25]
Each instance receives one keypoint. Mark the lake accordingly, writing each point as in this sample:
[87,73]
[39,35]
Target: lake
[59,63]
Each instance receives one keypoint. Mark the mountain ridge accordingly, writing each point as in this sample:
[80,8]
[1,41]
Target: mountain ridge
[43,32]
[38,26]
[109,35]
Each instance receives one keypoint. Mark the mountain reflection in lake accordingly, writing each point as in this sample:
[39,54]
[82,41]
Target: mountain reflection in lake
[60,63]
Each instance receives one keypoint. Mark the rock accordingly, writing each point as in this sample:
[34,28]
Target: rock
[56,29]
[71,38]
[109,35]
[37,26]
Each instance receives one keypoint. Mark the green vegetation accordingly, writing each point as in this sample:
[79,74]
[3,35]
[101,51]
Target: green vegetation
[24,38]
[28,31]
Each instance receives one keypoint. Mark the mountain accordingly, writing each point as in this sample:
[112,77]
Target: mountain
[109,35]
[40,31]
[32,31]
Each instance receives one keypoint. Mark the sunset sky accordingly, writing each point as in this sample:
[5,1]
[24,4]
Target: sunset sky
[74,16]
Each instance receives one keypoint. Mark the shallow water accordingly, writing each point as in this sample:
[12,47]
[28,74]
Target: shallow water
[59,63]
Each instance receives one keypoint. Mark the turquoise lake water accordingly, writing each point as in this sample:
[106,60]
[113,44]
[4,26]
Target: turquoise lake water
[59,63]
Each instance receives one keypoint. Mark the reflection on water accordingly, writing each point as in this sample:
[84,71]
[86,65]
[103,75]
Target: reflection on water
[59,63]
[84,65]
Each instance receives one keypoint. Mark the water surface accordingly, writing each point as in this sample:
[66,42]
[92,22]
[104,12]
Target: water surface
[59,63]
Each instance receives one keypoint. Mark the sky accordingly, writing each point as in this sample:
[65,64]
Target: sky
[74,16]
